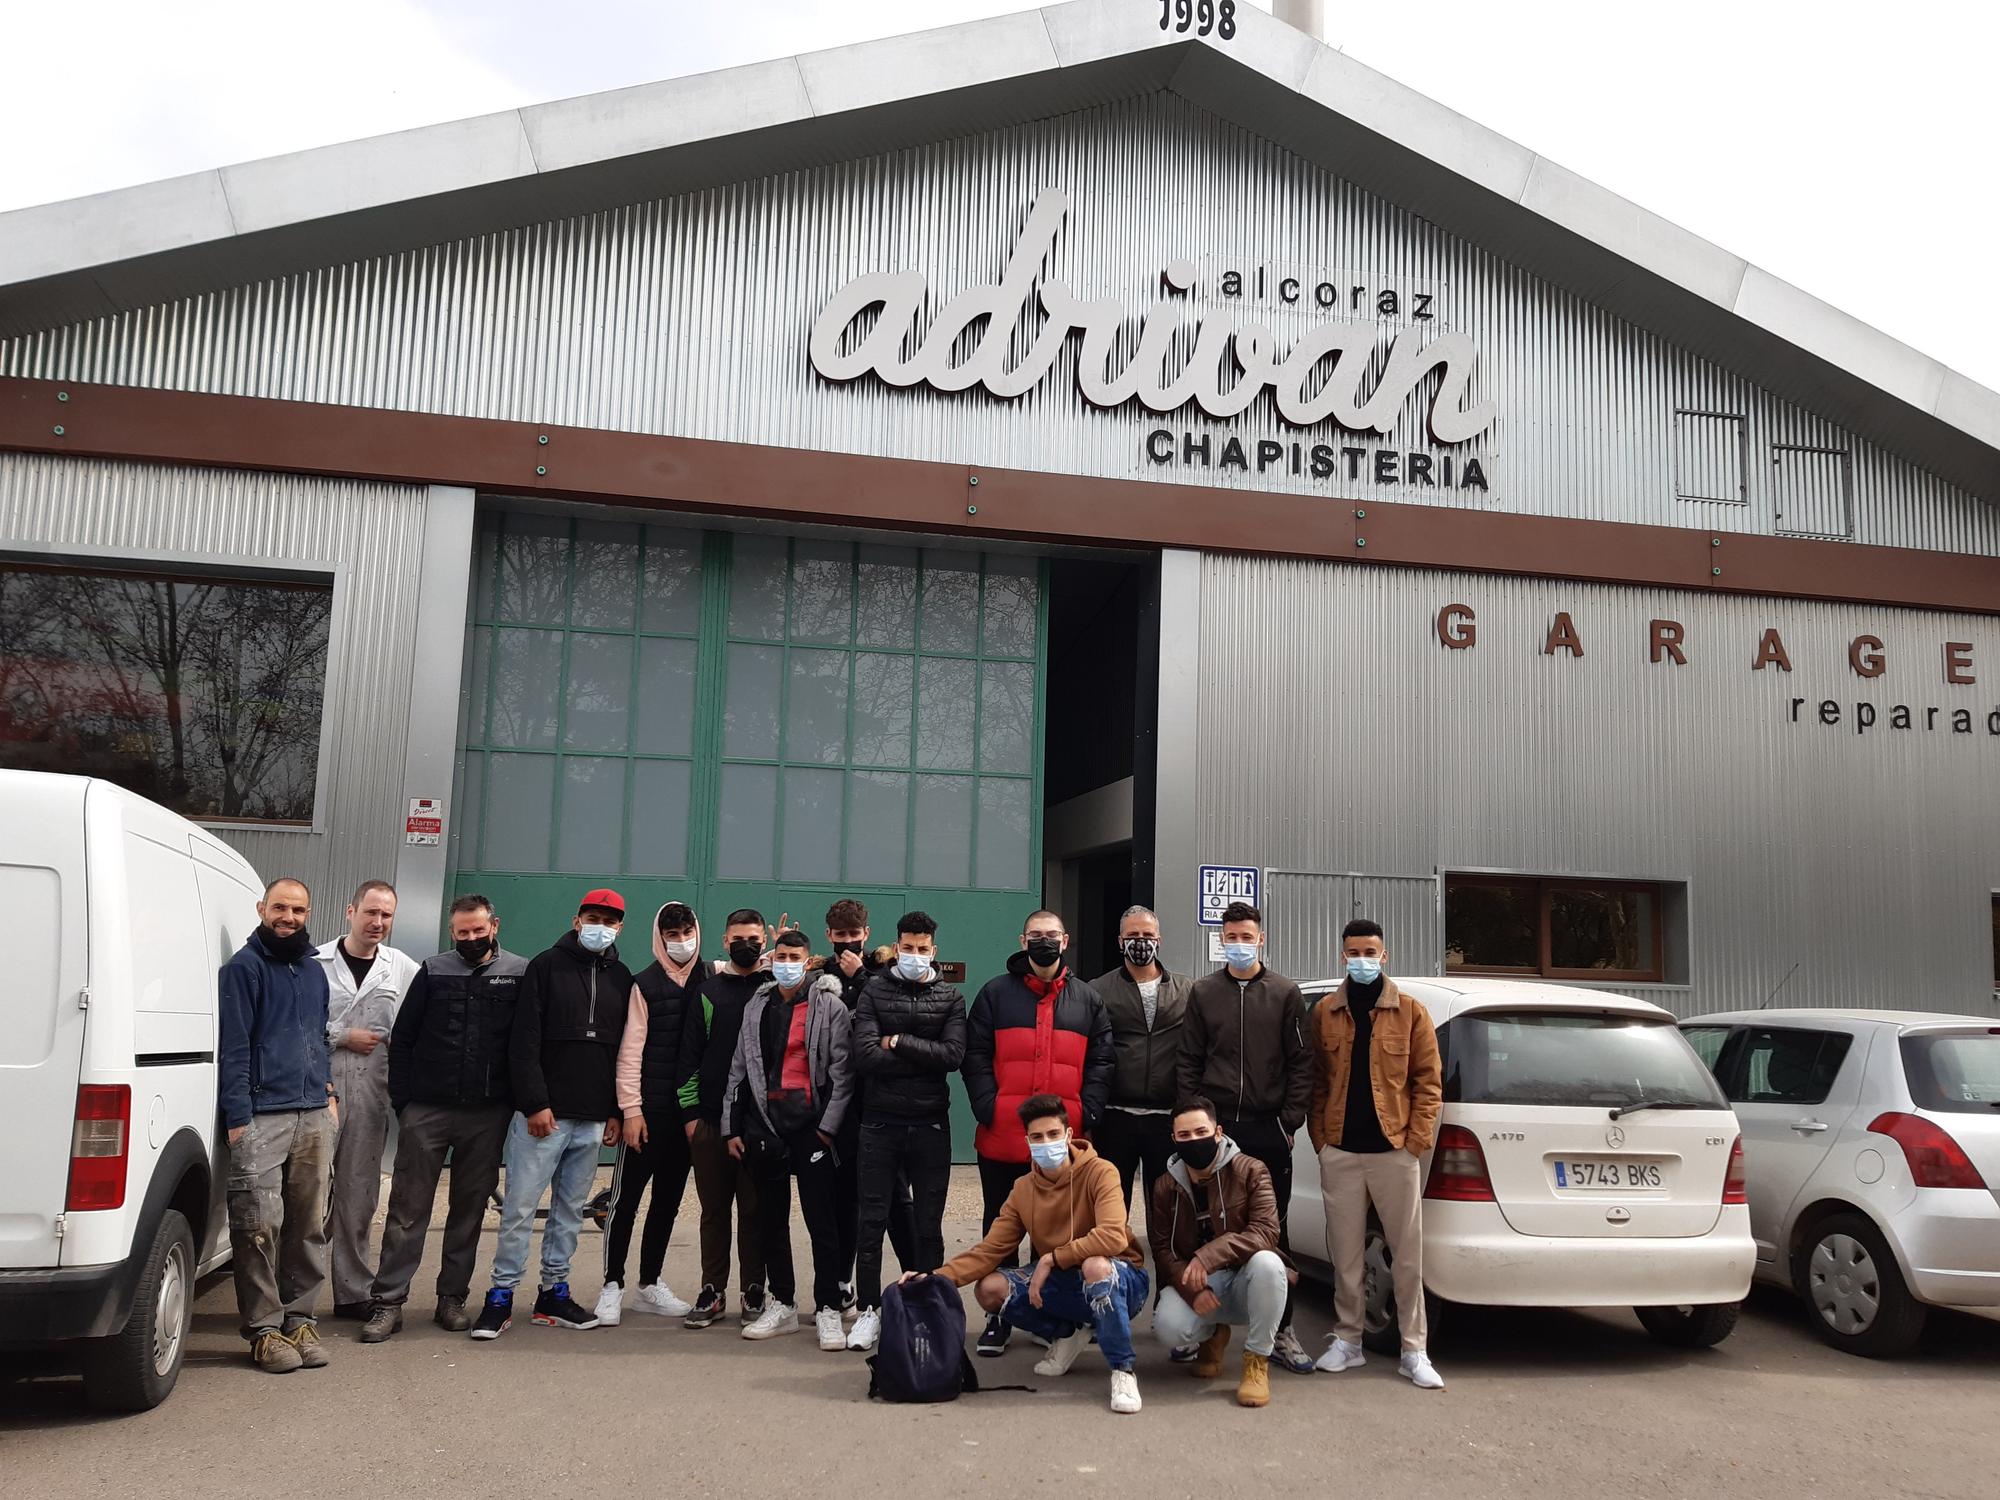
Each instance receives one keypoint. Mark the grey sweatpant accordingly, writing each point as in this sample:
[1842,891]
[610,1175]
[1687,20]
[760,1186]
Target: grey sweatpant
[475,1136]
[363,1085]
[278,1171]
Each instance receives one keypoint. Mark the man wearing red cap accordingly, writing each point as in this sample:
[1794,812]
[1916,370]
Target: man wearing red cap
[563,1058]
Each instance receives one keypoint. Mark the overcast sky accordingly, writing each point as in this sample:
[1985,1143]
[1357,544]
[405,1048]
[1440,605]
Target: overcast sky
[1848,148]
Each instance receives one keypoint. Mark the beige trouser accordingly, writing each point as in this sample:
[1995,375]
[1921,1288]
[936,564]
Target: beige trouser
[1393,1181]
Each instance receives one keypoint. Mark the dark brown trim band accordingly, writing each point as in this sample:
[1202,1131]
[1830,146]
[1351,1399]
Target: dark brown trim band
[694,474]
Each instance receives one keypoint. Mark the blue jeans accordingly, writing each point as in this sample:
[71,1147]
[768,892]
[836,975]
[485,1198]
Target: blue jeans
[1252,1294]
[1069,1304]
[566,1158]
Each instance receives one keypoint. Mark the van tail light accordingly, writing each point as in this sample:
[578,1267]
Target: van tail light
[1936,1160]
[98,1146]
[1458,1168]
[1735,1188]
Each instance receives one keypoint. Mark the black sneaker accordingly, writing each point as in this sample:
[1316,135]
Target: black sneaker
[753,1306]
[555,1308]
[707,1308]
[497,1316]
[993,1337]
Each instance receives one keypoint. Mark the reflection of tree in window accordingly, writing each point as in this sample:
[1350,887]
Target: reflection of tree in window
[203,694]
[1598,929]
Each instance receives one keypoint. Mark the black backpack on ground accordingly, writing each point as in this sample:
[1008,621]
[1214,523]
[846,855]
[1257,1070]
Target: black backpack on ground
[921,1353]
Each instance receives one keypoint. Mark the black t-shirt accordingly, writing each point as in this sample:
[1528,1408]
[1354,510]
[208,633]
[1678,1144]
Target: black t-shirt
[358,967]
[1361,1127]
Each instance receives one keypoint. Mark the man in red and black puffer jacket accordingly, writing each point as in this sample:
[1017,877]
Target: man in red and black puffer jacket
[1037,1029]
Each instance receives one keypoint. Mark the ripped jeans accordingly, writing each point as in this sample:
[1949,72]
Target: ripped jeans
[1068,1304]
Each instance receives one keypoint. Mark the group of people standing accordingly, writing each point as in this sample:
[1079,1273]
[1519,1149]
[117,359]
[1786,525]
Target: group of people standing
[773,1069]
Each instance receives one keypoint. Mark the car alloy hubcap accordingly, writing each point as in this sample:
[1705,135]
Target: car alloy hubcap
[1378,1287]
[1846,1288]
[170,1316]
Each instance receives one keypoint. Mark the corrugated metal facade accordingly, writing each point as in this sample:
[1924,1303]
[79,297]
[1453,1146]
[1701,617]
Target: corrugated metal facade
[369,536]
[689,316]
[1867,857]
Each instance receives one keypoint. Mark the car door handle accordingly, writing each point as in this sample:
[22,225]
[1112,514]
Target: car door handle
[1810,1127]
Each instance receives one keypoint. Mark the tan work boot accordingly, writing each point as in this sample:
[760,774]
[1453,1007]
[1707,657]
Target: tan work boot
[305,1339]
[272,1352]
[1255,1388]
[1207,1363]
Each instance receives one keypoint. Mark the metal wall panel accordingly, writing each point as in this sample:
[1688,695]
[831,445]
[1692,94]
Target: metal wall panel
[689,316]
[1810,491]
[1708,457]
[1345,737]
[369,536]
[1304,912]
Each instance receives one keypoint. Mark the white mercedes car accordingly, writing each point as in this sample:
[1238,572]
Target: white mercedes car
[1874,1141]
[1584,1158]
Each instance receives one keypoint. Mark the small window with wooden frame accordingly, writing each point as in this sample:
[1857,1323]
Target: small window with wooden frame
[1549,928]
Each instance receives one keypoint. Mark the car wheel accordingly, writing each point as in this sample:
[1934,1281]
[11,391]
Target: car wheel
[135,1368]
[1848,1277]
[1381,1329]
[1701,1327]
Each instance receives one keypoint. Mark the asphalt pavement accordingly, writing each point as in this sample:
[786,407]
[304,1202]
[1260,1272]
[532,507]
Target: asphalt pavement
[1550,1404]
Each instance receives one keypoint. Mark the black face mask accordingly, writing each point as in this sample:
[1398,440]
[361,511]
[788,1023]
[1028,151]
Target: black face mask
[847,947]
[1141,951]
[744,952]
[474,951]
[1043,951]
[1200,1154]
[286,950]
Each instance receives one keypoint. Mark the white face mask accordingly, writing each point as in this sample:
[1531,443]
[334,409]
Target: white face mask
[680,950]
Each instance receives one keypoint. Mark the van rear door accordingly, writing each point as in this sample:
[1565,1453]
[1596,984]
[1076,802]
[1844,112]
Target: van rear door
[42,985]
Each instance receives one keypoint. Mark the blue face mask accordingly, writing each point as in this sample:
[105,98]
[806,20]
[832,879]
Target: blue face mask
[1239,955]
[1364,970]
[596,937]
[913,966]
[787,974]
[1049,1155]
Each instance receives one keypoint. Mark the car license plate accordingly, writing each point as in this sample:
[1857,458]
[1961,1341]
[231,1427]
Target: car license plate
[1585,1174]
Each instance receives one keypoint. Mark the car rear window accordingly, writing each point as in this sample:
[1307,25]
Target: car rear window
[1954,1070]
[1575,1058]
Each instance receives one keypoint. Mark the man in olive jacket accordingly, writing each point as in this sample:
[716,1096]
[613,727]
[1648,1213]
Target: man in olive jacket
[1146,1003]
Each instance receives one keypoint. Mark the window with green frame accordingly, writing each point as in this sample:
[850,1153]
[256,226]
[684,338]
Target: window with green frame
[880,715]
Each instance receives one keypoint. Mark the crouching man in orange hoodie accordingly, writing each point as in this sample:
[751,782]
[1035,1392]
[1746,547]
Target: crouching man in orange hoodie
[1088,1276]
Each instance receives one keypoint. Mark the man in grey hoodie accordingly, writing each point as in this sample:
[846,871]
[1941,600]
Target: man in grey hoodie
[791,1082]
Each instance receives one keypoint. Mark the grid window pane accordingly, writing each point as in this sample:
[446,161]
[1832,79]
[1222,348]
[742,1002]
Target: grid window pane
[886,613]
[822,592]
[607,574]
[463,812]
[816,707]
[659,817]
[951,601]
[485,555]
[746,822]
[1003,834]
[520,803]
[600,693]
[472,695]
[882,687]
[878,821]
[1012,606]
[527,671]
[670,595]
[532,582]
[757,588]
[944,714]
[750,706]
[941,843]
[591,833]
[1007,716]
[812,824]
[666,697]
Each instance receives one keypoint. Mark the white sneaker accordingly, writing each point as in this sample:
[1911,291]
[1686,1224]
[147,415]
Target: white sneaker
[1340,1355]
[1416,1368]
[610,1304]
[867,1331]
[1124,1391]
[832,1332]
[776,1318]
[1063,1353]
[659,1298]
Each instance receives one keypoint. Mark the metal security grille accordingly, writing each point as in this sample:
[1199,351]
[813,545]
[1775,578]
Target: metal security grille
[1812,491]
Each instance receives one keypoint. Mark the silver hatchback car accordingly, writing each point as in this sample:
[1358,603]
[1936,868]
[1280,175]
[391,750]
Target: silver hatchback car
[1872,1146]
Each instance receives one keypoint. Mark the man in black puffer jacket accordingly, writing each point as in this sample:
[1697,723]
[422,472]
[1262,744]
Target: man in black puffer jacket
[909,1038]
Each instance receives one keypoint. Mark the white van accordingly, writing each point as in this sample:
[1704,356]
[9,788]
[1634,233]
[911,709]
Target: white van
[118,915]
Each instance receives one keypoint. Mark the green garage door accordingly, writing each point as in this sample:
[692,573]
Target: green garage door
[751,720]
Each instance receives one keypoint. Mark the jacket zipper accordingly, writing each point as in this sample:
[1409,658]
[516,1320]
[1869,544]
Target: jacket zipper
[1242,1049]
